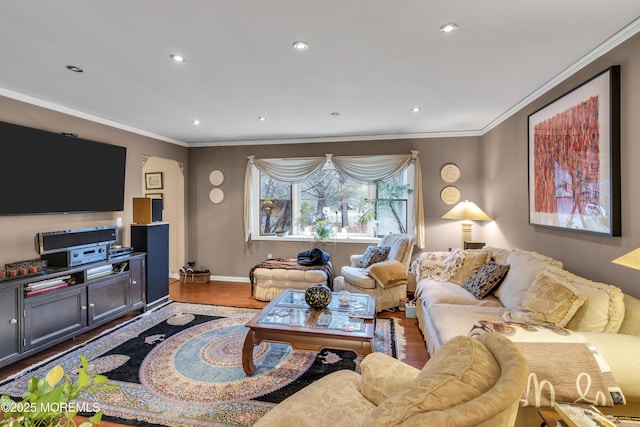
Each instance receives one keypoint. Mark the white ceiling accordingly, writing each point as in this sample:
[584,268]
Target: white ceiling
[369,60]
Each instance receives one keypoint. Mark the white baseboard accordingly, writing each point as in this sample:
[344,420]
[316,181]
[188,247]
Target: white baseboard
[230,279]
[219,278]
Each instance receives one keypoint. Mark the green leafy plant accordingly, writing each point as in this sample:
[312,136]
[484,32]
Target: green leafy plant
[49,402]
[323,229]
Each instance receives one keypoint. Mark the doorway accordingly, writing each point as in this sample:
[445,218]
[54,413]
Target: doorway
[173,212]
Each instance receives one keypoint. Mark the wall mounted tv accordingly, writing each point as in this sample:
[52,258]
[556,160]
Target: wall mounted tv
[49,173]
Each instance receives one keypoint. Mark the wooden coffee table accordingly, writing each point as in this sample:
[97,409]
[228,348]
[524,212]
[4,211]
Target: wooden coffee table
[290,320]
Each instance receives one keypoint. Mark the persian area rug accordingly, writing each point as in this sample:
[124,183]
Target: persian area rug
[181,365]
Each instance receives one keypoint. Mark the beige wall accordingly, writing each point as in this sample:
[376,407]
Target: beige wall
[216,230]
[505,182]
[17,232]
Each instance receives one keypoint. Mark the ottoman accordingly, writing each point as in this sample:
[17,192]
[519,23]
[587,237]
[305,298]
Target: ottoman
[267,282]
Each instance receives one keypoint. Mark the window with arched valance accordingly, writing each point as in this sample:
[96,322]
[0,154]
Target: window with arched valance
[336,197]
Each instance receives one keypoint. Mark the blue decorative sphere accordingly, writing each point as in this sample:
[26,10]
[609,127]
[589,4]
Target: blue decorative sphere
[318,296]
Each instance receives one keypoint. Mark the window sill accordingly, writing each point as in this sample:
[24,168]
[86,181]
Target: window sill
[309,239]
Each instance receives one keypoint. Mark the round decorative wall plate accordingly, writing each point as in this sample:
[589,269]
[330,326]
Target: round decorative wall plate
[216,177]
[216,195]
[450,173]
[450,195]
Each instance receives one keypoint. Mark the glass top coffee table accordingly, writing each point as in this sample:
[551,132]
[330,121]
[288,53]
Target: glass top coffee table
[345,325]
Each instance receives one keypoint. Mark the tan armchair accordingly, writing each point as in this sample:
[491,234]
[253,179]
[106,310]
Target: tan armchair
[469,382]
[387,280]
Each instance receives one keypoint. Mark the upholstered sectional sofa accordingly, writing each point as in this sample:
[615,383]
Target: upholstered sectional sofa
[457,289]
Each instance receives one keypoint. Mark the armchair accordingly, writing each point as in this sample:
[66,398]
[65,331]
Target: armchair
[468,382]
[386,277]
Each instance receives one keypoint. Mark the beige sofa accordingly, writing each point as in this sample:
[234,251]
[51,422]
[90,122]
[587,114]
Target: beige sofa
[469,383]
[536,289]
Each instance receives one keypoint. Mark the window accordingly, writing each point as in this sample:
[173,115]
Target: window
[330,204]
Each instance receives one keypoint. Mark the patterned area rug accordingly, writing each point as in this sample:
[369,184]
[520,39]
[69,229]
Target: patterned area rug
[180,365]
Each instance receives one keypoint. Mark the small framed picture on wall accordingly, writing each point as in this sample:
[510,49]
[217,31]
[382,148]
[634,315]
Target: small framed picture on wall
[153,180]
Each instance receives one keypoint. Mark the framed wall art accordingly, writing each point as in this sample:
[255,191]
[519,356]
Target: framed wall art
[574,158]
[153,180]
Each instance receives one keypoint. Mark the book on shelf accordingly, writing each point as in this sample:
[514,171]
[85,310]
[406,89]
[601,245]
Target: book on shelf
[42,284]
[50,288]
[102,270]
[582,415]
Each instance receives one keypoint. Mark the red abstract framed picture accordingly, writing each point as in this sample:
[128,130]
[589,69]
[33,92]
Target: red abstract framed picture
[574,158]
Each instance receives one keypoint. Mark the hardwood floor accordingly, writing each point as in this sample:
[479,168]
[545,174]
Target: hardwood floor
[228,294]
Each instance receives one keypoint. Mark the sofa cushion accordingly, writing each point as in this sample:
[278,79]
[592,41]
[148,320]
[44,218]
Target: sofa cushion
[621,353]
[372,255]
[549,299]
[461,371]
[339,391]
[448,321]
[358,277]
[603,311]
[485,279]
[432,292]
[473,260]
[631,323]
[382,376]
[388,273]
[524,267]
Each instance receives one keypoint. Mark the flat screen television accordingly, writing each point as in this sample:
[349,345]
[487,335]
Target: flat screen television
[49,173]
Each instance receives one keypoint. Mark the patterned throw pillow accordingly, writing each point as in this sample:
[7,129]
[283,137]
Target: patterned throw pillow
[472,260]
[486,279]
[372,255]
[437,265]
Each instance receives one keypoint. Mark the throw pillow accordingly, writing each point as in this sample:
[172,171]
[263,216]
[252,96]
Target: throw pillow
[388,273]
[486,279]
[473,260]
[604,309]
[372,255]
[550,299]
[437,265]
[524,267]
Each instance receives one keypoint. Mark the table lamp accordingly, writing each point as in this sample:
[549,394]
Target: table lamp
[467,211]
[630,259]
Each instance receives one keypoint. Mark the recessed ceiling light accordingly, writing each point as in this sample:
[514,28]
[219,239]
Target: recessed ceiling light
[448,28]
[74,69]
[416,109]
[178,58]
[301,46]
[262,119]
[195,122]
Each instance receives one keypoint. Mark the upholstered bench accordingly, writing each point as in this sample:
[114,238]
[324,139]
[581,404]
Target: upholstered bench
[270,277]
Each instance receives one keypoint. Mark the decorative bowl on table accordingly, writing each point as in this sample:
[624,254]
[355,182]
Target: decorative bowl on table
[318,296]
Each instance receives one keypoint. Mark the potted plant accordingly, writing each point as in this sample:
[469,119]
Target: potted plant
[323,229]
[50,401]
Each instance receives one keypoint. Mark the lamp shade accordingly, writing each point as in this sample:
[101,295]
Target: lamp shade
[631,259]
[467,211]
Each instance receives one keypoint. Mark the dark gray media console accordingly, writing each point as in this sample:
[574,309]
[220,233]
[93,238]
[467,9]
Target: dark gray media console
[31,321]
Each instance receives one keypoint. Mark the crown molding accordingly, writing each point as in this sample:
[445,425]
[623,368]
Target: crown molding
[614,41]
[82,115]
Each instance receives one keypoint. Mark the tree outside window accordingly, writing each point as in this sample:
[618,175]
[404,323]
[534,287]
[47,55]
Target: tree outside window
[330,199]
